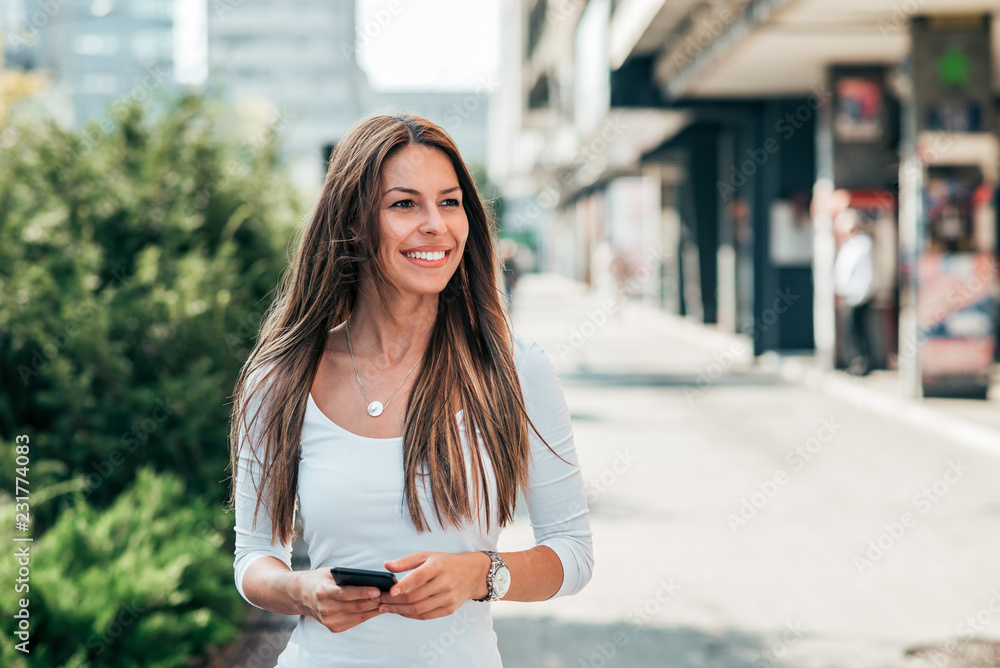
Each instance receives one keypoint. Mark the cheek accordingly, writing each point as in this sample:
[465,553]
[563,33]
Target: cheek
[392,229]
[461,232]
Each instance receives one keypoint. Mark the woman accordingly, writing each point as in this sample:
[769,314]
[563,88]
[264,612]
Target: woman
[387,345]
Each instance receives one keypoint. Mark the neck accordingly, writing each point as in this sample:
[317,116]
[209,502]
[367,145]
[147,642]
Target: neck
[394,336]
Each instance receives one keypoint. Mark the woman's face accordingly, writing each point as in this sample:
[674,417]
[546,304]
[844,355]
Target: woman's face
[423,221]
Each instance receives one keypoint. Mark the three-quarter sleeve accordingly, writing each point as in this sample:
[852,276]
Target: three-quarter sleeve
[555,497]
[253,542]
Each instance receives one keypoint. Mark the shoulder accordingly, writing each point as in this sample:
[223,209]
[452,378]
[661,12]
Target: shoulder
[542,391]
[527,352]
[257,390]
[534,367]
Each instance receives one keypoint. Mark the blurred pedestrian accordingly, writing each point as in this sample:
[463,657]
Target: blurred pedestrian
[853,283]
[511,270]
[387,345]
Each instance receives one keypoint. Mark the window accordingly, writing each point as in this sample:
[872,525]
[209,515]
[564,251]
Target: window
[99,83]
[94,44]
[150,45]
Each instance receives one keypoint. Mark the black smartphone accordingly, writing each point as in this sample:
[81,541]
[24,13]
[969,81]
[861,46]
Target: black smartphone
[359,577]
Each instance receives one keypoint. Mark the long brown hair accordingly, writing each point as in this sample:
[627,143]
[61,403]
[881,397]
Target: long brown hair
[469,355]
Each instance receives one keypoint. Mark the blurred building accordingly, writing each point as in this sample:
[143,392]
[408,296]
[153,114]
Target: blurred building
[462,114]
[296,71]
[105,52]
[301,61]
[705,149]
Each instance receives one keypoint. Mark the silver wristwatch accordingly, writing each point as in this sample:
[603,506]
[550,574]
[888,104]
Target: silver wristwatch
[498,579]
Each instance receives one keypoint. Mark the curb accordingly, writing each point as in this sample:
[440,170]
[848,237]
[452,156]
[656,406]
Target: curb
[832,382]
[841,386]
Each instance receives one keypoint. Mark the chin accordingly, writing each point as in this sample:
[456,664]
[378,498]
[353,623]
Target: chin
[424,288]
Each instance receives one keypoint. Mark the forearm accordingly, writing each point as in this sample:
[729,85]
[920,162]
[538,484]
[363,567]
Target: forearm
[270,584]
[535,574]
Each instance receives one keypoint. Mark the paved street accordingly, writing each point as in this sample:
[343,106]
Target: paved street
[745,520]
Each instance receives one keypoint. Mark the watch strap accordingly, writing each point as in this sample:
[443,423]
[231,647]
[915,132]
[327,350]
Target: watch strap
[496,562]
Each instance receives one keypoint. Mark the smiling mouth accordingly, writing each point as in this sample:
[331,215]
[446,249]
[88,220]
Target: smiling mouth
[427,256]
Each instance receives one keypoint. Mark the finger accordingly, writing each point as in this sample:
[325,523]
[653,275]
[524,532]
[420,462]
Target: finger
[420,608]
[420,592]
[350,620]
[365,605]
[440,611]
[416,578]
[407,563]
[355,592]
[365,616]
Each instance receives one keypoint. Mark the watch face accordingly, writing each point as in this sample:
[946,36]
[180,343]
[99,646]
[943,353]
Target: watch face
[501,581]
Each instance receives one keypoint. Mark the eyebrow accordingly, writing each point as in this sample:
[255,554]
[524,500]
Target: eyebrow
[411,191]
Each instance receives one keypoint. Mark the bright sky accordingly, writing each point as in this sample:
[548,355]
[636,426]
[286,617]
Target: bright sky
[428,44]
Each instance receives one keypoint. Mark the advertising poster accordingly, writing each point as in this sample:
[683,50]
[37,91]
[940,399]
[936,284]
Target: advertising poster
[859,109]
[957,314]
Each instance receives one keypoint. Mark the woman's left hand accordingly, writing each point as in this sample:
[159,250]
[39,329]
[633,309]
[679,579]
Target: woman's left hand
[440,582]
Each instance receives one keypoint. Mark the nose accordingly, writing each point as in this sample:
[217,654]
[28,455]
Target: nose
[433,222]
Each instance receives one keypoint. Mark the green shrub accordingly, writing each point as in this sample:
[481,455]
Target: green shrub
[136,259]
[147,582]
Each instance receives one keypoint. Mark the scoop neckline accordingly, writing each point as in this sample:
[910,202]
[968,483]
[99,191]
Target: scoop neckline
[337,427]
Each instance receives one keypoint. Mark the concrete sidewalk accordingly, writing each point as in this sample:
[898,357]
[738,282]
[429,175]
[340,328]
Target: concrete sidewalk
[973,422]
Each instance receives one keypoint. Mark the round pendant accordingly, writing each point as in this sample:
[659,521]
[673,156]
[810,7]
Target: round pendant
[375,408]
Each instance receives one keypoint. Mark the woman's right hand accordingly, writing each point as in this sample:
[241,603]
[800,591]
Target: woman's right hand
[335,607]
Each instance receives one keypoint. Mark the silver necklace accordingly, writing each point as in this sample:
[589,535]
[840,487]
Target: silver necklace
[375,408]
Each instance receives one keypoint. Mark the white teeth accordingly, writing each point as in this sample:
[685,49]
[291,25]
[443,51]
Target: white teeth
[438,255]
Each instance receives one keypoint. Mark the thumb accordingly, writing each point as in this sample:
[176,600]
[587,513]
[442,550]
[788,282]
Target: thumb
[409,562]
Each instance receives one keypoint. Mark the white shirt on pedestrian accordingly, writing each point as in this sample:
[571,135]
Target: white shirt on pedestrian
[854,270]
